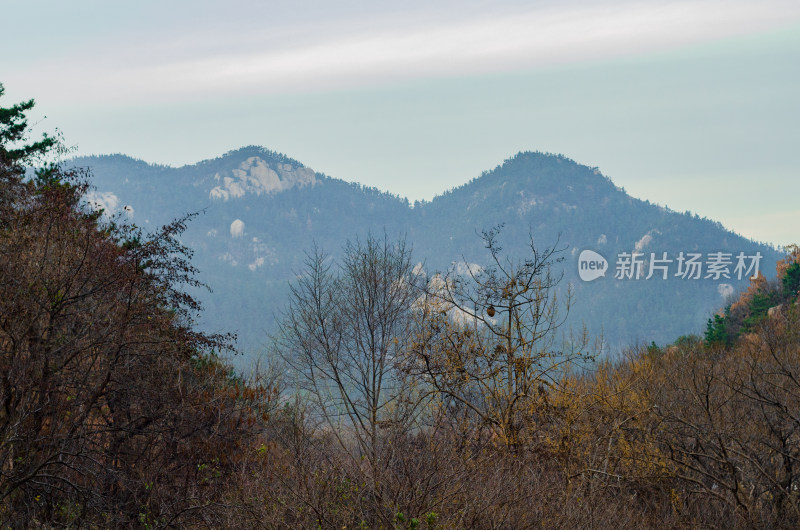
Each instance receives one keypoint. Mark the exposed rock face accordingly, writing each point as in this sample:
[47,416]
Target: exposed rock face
[773,312]
[255,175]
[237,228]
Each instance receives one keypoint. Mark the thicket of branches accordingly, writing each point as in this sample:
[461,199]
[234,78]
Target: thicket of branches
[487,418]
[398,399]
[114,411]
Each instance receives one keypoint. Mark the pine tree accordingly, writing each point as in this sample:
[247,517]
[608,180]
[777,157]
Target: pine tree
[14,153]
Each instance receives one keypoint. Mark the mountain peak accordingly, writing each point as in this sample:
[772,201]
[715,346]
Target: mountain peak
[255,175]
[533,177]
[251,151]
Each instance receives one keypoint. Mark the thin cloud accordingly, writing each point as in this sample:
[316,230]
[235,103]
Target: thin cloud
[541,37]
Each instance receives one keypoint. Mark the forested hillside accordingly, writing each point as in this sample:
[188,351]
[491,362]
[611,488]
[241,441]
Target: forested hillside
[394,397]
[282,209]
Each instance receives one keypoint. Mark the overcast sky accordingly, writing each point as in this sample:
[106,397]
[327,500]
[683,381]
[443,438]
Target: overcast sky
[693,104]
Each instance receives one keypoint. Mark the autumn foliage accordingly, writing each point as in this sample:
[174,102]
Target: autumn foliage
[113,410]
[391,399]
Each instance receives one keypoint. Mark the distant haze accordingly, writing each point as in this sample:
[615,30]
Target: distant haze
[263,211]
[692,104]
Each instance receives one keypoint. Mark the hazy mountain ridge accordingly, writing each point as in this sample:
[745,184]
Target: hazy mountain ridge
[250,243]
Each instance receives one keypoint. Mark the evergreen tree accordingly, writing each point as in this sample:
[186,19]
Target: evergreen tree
[791,281]
[14,153]
[716,332]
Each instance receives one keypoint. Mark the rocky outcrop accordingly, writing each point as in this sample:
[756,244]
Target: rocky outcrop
[256,176]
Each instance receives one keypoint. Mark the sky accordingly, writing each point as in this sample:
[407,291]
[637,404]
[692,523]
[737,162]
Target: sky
[692,104]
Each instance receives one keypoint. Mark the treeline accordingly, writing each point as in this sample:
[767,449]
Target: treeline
[395,398]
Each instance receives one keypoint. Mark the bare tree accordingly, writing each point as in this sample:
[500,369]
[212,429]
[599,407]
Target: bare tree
[730,423]
[346,327]
[487,338]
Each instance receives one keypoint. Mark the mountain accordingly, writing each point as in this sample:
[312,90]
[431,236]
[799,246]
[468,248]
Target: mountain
[262,210]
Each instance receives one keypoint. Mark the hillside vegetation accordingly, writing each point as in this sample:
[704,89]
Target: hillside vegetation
[281,208]
[397,399]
